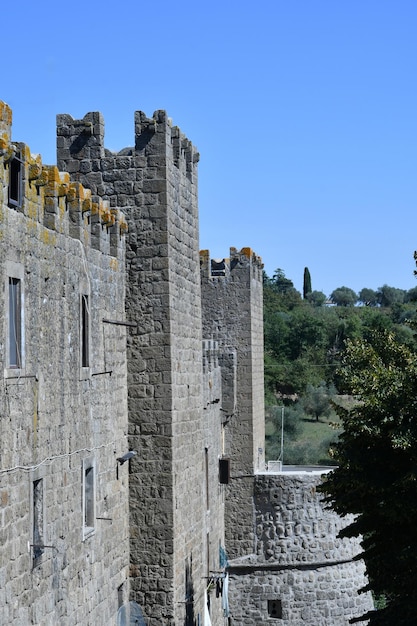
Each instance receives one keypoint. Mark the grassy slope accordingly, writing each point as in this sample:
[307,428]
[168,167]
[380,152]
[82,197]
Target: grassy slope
[311,444]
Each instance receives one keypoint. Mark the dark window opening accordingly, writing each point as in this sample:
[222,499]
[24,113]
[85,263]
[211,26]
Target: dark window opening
[275,609]
[38,541]
[218,268]
[120,596]
[224,471]
[16,181]
[15,323]
[206,467]
[85,335]
[89,512]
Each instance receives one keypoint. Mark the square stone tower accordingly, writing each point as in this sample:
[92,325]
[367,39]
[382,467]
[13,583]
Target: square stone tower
[233,316]
[156,184]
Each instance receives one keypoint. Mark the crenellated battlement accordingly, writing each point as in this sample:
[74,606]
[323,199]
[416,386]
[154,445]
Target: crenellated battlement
[5,125]
[82,140]
[139,348]
[224,268]
[47,195]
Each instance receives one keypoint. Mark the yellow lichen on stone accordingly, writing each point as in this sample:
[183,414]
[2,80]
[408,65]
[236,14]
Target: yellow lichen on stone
[4,142]
[53,174]
[114,264]
[50,204]
[6,114]
[81,191]
[62,210]
[25,152]
[35,171]
[48,237]
[42,179]
[32,211]
[204,255]
[86,205]
[71,193]
[123,225]
[247,252]
[107,216]
[9,152]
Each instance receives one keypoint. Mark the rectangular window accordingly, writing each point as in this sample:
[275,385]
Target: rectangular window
[15,323]
[85,331]
[16,181]
[206,467]
[89,497]
[120,596]
[275,609]
[224,471]
[37,519]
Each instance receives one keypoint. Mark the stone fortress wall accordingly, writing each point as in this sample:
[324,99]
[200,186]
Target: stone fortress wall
[189,520]
[299,572]
[156,183]
[64,551]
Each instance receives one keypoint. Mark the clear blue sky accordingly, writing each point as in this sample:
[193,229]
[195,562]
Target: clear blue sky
[304,112]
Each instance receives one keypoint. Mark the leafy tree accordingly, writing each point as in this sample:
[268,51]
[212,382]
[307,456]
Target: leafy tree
[316,298]
[369,297]
[281,283]
[307,333]
[376,477]
[411,295]
[304,341]
[317,400]
[277,297]
[387,296]
[306,283]
[343,296]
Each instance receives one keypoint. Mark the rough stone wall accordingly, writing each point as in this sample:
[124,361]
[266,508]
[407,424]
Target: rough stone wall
[300,572]
[190,403]
[56,414]
[213,436]
[156,184]
[233,316]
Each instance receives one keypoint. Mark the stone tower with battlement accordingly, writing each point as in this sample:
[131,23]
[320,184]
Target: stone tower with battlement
[132,433]
[156,183]
[233,316]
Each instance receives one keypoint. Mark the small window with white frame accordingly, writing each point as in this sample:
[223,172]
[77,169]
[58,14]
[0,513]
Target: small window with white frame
[89,497]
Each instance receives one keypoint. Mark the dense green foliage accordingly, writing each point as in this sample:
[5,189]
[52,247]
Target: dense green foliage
[357,366]
[376,477]
[304,341]
[305,338]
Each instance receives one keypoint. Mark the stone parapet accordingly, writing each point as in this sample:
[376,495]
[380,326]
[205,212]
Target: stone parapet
[49,196]
[300,571]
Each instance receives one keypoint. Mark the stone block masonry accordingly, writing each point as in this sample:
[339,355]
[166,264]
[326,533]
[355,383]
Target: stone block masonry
[156,184]
[233,316]
[118,335]
[299,571]
[64,550]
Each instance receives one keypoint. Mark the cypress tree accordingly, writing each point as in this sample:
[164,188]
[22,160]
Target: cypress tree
[306,283]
